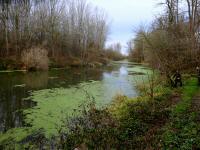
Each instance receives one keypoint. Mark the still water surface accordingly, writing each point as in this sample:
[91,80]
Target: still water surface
[39,99]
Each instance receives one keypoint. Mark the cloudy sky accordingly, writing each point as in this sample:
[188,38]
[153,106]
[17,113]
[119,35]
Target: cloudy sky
[126,16]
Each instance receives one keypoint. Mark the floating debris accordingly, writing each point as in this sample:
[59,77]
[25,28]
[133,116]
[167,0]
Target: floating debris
[58,68]
[20,85]
[11,71]
[53,78]
[6,71]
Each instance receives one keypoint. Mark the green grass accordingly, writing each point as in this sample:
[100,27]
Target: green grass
[188,91]
[182,132]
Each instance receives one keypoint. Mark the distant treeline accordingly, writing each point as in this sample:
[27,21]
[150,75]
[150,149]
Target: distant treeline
[64,28]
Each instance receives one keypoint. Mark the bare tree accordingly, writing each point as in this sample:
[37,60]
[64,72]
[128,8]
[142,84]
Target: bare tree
[64,27]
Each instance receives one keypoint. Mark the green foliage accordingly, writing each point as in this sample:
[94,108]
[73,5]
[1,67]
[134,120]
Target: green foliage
[95,128]
[183,130]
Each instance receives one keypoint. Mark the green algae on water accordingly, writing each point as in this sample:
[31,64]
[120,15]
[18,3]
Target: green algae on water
[56,105]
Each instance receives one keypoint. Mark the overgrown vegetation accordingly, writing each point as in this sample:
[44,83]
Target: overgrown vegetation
[162,120]
[170,44]
[167,121]
[142,123]
[172,41]
[67,30]
[75,34]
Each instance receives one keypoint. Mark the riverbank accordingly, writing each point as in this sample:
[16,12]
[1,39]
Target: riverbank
[9,64]
[168,121]
[38,59]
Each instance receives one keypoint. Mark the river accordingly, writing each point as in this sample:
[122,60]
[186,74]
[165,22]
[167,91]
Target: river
[42,100]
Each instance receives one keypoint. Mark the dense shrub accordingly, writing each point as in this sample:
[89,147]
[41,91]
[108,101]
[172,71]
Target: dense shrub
[35,59]
[95,128]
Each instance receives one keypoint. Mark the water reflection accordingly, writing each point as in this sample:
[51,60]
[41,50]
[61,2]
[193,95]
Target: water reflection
[11,103]
[117,82]
[16,86]
[36,80]
[123,71]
